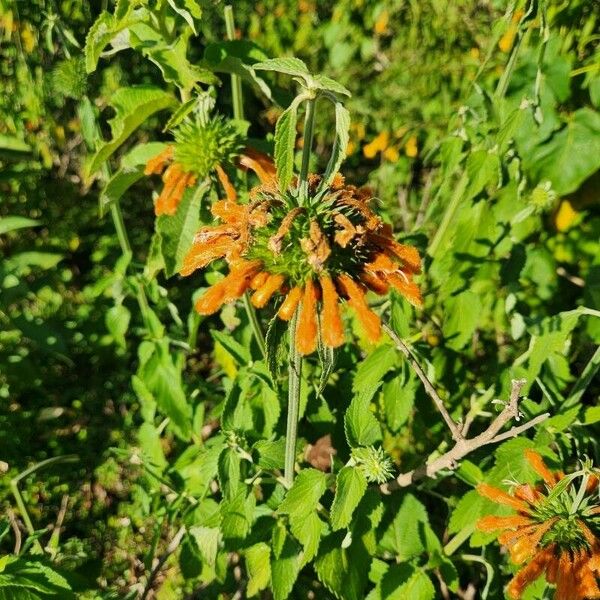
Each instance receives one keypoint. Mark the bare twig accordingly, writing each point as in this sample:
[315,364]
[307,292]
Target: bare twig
[16,530]
[429,388]
[491,435]
[173,545]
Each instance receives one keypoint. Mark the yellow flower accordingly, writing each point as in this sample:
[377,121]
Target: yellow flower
[391,153]
[382,23]
[411,149]
[565,216]
[379,144]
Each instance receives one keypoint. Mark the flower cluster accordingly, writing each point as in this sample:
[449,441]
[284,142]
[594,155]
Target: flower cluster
[220,141]
[313,254]
[554,531]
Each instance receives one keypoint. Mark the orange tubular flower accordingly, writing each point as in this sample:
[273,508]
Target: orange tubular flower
[317,253]
[549,535]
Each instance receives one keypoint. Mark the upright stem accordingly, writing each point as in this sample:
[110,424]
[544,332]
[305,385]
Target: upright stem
[309,127]
[117,218]
[295,369]
[294,358]
[238,113]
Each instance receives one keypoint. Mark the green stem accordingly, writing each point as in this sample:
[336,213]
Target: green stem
[255,324]
[236,81]
[449,214]
[238,113]
[16,492]
[295,369]
[309,127]
[119,223]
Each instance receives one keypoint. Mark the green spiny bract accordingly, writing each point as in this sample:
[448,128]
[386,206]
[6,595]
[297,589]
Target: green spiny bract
[201,146]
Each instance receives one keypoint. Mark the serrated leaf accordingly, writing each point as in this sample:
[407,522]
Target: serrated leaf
[398,400]
[405,536]
[351,484]
[290,66]
[132,105]
[571,155]
[330,85]
[308,532]
[229,472]
[285,568]
[240,354]
[170,58]
[342,137]
[461,319]
[177,231]
[131,170]
[360,424]
[189,10]
[163,379]
[258,565]
[207,539]
[302,498]
[149,440]
[285,142]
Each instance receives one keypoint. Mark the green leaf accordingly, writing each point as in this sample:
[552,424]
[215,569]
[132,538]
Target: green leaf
[240,354]
[258,565]
[133,105]
[342,137]
[403,581]
[285,567]
[237,514]
[308,531]
[461,318]
[549,339]
[361,426]
[330,85]
[12,223]
[207,539]
[285,141]
[189,10]
[351,485]
[229,472]
[405,536]
[150,444]
[105,30]
[23,261]
[177,231]
[343,571]
[131,170]
[290,66]
[163,379]
[117,322]
[482,170]
[13,147]
[271,454]
[571,155]
[399,399]
[236,58]
[170,58]
[302,498]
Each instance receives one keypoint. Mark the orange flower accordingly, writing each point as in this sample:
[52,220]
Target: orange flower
[317,255]
[546,536]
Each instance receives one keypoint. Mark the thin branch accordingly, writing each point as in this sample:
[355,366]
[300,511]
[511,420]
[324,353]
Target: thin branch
[173,545]
[429,388]
[16,530]
[491,435]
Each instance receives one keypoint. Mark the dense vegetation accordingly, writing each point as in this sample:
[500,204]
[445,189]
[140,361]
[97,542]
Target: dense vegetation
[146,451]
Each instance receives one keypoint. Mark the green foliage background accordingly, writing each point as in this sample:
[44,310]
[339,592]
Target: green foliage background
[477,124]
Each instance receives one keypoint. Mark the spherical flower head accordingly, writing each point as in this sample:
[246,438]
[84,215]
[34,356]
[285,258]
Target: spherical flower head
[313,254]
[374,463]
[554,531]
[201,147]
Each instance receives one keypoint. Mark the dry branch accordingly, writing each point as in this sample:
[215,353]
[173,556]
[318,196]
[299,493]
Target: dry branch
[462,446]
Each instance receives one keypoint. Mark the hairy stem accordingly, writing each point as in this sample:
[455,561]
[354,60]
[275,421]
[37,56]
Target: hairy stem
[295,369]
[309,127]
[238,113]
